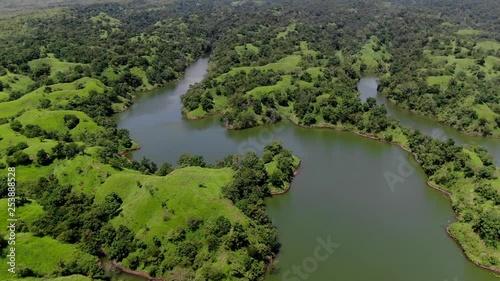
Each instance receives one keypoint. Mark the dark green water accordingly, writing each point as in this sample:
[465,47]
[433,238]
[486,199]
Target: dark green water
[380,231]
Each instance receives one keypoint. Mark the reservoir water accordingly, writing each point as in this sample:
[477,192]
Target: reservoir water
[340,197]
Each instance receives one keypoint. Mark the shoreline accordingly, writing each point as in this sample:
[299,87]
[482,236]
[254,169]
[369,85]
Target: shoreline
[415,157]
[470,134]
[494,269]
[123,152]
[116,265]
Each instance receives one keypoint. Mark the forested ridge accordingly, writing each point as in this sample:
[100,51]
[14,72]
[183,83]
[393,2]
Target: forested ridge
[64,72]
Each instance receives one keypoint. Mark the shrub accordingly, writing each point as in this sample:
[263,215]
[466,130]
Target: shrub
[43,158]
[309,119]
[16,126]
[71,121]
[33,131]
[18,158]
[221,227]
[194,223]
[18,147]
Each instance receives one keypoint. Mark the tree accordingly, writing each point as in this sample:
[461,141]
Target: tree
[16,126]
[91,243]
[43,158]
[186,159]
[275,148]
[122,244]
[189,250]
[3,241]
[330,116]
[257,107]
[18,158]
[207,104]
[130,79]
[148,167]
[42,69]
[221,226]
[111,206]
[489,227]
[71,121]
[276,179]
[33,131]
[213,243]
[18,147]
[194,223]
[61,150]
[238,238]
[45,103]
[165,169]
[309,119]
[371,102]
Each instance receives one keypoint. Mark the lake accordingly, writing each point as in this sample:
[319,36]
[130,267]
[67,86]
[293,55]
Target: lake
[340,198]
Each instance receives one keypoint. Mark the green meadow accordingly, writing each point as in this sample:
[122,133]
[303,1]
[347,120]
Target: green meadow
[55,65]
[60,95]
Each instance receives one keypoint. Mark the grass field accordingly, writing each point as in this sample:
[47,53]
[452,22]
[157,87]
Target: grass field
[60,94]
[249,47]
[105,20]
[488,45]
[141,74]
[142,205]
[54,121]
[286,81]
[468,32]
[30,250]
[11,138]
[283,34]
[372,55]
[55,65]
[287,64]
[110,73]
[17,82]
[439,80]
[156,206]
[85,173]
[304,49]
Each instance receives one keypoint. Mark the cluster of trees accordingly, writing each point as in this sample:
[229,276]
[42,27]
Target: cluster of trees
[17,157]
[74,217]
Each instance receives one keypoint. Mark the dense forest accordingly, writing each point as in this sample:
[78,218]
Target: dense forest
[64,72]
